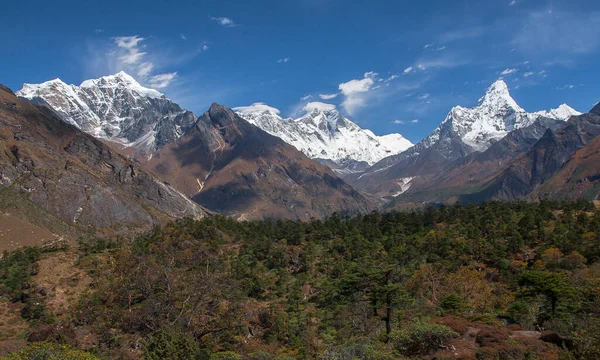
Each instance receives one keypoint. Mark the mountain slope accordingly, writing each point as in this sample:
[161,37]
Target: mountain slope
[231,166]
[116,108]
[545,161]
[75,177]
[463,131]
[322,133]
[467,174]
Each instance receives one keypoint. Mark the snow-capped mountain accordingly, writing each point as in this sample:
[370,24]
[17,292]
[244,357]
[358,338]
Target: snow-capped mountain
[495,115]
[116,108]
[323,133]
[463,131]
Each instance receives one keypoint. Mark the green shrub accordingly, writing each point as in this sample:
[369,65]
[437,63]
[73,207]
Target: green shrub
[420,338]
[16,268]
[173,344]
[225,355]
[49,351]
[452,302]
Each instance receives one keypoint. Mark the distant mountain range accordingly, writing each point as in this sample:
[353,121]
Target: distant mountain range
[250,162]
[324,134]
[464,131]
[218,159]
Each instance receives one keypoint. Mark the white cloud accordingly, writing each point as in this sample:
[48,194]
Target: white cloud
[358,85]
[306,97]
[328,96]
[131,50]
[356,92]
[145,69]
[162,80]
[427,46]
[408,70]
[509,71]
[224,21]
[98,31]
[528,74]
[512,3]
[424,96]
[283,60]
[205,47]
[566,87]
[256,107]
[183,37]
[318,106]
[402,122]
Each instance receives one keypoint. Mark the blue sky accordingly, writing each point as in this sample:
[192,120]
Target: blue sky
[393,66]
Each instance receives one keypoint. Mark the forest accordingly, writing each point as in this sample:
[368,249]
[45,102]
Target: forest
[497,280]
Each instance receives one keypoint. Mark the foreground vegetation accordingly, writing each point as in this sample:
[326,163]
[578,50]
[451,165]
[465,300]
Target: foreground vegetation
[473,282]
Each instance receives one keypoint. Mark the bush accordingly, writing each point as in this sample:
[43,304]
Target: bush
[49,351]
[420,338]
[452,302]
[225,355]
[173,344]
[16,268]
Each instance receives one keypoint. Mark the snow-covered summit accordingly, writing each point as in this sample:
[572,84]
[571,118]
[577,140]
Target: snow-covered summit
[322,132]
[123,80]
[495,115]
[114,107]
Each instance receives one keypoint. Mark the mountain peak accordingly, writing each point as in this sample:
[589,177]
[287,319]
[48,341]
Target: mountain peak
[121,80]
[497,95]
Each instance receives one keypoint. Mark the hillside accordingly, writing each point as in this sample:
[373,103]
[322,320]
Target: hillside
[74,178]
[234,168]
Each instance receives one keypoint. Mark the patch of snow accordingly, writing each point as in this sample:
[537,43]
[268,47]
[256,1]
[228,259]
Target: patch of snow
[404,184]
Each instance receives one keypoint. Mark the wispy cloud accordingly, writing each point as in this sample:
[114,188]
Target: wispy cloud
[131,46]
[98,31]
[162,80]
[182,36]
[283,60]
[328,96]
[558,36]
[509,71]
[513,2]
[224,21]
[456,35]
[402,122]
[565,87]
[408,70]
[137,56]
[443,61]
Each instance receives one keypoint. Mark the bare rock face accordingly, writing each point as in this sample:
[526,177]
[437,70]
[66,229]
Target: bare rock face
[231,166]
[76,177]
